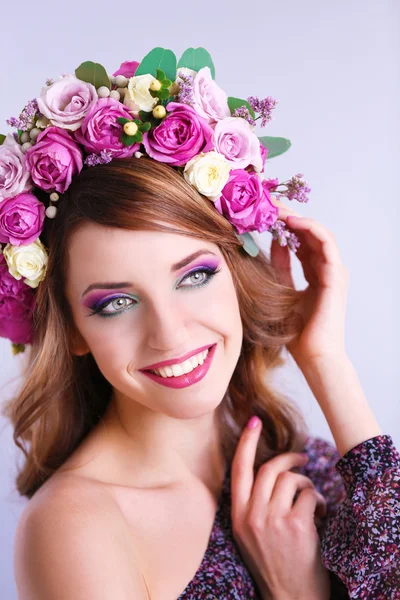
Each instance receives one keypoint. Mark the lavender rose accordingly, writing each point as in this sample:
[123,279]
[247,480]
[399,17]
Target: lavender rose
[245,202]
[67,101]
[179,137]
[17,302]
[100,130]
[21,219]
[210,101]
[234,138]
[14,177]
[54,159]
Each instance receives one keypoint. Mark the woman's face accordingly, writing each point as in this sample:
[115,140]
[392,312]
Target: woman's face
[161,305]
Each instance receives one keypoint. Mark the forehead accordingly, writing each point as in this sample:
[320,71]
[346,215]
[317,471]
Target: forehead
[97,252]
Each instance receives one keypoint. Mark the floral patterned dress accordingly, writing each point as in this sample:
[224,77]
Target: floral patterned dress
[360,534]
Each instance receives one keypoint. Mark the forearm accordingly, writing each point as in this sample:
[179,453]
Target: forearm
[335,384]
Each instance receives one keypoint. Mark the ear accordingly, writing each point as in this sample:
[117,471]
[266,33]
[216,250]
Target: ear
[78,344]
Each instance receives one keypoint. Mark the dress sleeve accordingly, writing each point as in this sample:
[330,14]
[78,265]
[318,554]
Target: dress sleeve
[360,534]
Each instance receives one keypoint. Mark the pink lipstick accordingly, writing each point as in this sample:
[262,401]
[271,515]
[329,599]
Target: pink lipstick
[186,379]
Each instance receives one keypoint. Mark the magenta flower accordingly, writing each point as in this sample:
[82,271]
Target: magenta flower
[234,138]
[127,68]
[101,131]
[54,159]
[180,136]
[17,302]
[21,219]
[245,202]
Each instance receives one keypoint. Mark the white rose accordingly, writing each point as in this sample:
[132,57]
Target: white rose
[29,261]
[137,95]
[208,172]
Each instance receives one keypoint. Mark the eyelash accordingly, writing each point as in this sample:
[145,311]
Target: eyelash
[210,271]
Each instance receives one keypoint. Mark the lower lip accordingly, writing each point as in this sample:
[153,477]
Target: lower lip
[188,378]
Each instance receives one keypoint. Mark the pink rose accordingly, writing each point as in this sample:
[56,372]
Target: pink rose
[17,302]
[54,159]
[211,102]
[127,68]
[181,135]
[264,155]
[67,101]
[21,219]
[100,130]
[245,202]
[14,177]
[234,139]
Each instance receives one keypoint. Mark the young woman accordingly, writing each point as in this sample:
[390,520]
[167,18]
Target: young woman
[160,462]
[149,486]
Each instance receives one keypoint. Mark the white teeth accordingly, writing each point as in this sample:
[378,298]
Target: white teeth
[185,367]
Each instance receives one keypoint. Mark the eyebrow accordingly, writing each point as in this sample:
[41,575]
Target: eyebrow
[124,284]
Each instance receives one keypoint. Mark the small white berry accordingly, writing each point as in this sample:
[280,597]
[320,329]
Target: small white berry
[121,91]
[26,146]
[51,212]
[103,92]
[54,196]
[29,126]
[115,94]
[121,81]
[24,137]
[112,79]
[138,154]
[34,133]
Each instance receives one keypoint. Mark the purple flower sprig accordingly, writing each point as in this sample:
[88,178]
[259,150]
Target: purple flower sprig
[244,112]
[104,157]
[185,91]
[27,116]
[283,236]
[296,189]
[263,107]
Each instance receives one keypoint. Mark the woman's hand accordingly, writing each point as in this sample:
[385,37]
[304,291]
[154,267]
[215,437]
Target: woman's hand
[277,540]
[322,304]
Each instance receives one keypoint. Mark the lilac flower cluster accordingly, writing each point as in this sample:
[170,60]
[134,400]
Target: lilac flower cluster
[29,112]
[244,112]
[185,92]
[283,236]
[104,157]
[296,189]
[264,107]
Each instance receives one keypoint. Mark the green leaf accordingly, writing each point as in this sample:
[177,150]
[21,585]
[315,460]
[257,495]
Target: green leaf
[93,73]
[158,58]
[248,243]
[234,103]
[196,59]
[2,138]
[160,75]
[129,140]
[122,120]
[145,116]
[144,126]
[275,145]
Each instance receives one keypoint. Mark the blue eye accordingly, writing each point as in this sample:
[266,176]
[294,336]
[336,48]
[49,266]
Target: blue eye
[209,274]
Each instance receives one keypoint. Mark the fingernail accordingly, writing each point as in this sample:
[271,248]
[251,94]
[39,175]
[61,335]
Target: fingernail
[254,421]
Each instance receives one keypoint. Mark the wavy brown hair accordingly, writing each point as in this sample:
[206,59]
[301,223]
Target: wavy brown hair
[62,396]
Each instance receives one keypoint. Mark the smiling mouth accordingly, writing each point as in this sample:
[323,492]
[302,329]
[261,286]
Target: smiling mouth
[169,372]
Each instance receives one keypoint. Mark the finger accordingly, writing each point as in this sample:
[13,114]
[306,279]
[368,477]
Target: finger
[309,503]
[317,237]
[284,492]
[283,209]
[280,260]
[267,476]
[242,471]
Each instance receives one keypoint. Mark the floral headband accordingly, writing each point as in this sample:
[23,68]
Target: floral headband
[173,112]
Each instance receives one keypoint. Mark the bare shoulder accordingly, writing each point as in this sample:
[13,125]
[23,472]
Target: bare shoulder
[71,541]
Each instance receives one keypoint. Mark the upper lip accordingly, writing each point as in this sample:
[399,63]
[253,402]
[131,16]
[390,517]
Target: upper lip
[173,361]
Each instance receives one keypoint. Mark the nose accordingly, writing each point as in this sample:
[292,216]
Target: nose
[167,325]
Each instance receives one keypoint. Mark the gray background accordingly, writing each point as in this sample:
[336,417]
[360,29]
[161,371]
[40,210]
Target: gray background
[334,69]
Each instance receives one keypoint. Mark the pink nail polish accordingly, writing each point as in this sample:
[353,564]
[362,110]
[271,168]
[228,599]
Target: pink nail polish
[254,421]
